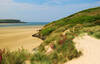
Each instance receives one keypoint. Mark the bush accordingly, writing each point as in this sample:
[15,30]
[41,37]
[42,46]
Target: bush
[97,35]
[16,57]
[47,31]
[68,50]
[52,37]
[40,58]
[82,19]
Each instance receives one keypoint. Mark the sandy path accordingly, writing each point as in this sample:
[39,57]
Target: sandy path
[16,37]
[90,48]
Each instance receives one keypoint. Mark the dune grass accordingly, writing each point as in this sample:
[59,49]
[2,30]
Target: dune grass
[87,21]
[15,57]
[59,37]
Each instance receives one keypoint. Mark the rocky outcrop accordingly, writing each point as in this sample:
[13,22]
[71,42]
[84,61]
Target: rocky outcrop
[38,36]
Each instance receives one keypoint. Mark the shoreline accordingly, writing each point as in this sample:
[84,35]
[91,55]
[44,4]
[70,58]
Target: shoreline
[12,23]
[8,25]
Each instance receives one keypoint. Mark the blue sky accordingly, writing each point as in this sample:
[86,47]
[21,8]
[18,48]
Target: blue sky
[31,1]
[63,2]
[42,10]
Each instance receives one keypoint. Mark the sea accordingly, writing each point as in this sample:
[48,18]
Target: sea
[24,24]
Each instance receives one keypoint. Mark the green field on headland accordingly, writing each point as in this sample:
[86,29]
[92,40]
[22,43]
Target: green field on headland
[58,46]
[10,21]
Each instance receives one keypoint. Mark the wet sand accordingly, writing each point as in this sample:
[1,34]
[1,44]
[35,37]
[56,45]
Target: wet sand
[13,38]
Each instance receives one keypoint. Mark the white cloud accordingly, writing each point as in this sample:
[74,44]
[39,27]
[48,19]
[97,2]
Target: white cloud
[34,12]
[5,1]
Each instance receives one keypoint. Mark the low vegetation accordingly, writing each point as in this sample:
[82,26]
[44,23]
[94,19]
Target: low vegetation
[60,34]
[16,57]
[58,46]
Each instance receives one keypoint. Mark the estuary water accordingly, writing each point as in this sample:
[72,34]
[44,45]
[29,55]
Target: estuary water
[23,24]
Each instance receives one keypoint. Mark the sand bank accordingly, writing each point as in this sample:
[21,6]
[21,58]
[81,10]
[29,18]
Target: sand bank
[16,37]
[90,48]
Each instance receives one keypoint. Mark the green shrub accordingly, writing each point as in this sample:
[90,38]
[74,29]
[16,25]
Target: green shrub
[47,31]
[40,58]
[41,48]
[82,19]
[52,37]
[97,35]
[90,10]
[16,57]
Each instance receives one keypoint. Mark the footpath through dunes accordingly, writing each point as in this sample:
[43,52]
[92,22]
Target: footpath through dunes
[19,37]
[90,48]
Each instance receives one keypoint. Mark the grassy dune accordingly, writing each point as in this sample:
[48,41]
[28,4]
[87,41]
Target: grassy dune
[89,47]
[58,46]
[58,36]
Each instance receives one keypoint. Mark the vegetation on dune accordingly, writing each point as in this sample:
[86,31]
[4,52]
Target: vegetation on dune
[58,46]
[16,57]
[61,33]
[78,18]
[93,31]
[40,58]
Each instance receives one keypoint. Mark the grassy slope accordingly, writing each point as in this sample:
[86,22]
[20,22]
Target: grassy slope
[86,16]
[59,37]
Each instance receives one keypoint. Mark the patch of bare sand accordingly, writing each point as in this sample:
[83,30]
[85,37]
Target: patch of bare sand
[90,48]
[13,38]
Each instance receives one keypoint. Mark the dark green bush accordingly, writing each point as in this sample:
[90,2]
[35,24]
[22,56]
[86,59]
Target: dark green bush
[97,35]
[40,58]
[47,31]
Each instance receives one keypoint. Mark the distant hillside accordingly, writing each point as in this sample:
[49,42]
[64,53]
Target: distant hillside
[10,21]
[58,46]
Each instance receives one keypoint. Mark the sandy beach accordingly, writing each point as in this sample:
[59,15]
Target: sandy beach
[13,38]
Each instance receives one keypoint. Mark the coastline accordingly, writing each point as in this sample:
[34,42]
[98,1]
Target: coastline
[13,38]
[10,23]
[22,24]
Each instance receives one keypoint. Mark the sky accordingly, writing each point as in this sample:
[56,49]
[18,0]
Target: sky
[42,10]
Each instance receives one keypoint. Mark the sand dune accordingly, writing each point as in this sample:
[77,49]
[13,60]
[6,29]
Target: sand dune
[90,48]
[16,37]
